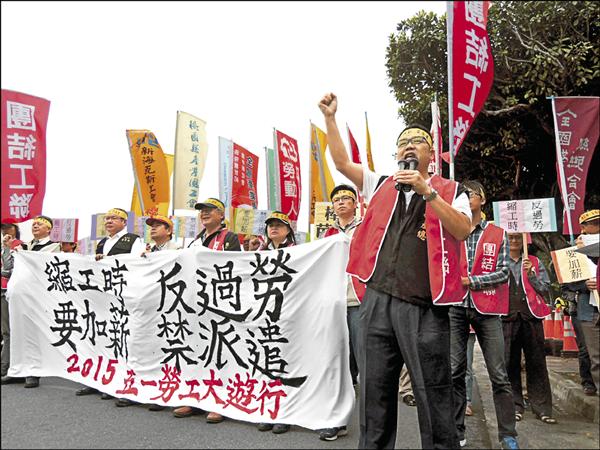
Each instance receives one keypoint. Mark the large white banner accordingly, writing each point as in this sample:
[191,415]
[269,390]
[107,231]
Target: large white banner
[259,337]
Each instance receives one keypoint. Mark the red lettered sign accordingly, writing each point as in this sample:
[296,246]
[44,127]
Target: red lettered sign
[24,119]
[290,185]
[472,65]
[245,172]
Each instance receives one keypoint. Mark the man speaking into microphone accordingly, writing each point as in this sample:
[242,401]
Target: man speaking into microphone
[407,250]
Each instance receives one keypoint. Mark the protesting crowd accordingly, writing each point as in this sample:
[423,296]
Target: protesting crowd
[427,276]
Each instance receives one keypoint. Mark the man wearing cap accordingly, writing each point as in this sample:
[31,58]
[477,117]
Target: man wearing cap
[40,228]
[161,232]
[215,236]
[118,242]
[587,308]
[485,272]
[407,250]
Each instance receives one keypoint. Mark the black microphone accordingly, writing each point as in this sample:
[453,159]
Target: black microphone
[406,164]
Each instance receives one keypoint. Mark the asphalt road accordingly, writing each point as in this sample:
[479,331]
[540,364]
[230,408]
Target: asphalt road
[51,416]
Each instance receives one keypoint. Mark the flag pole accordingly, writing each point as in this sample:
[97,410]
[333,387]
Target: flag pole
[561,172]
[175,164]
[449,24]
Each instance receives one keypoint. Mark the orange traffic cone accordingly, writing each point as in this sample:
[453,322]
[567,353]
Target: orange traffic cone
[569,343]
[549,326]
[558,325]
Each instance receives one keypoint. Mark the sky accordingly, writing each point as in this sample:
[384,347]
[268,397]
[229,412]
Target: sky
[243,67]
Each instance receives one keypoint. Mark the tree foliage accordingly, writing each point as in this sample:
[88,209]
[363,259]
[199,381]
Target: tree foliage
[540,49]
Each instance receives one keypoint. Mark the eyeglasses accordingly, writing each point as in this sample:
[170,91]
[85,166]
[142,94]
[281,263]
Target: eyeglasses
[343,198]
[472,194]
[414,140]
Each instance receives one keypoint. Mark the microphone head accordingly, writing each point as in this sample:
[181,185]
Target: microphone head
[412,163]
[402,164]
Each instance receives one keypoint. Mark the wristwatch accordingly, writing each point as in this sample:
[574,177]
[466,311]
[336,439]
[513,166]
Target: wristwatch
[431,196]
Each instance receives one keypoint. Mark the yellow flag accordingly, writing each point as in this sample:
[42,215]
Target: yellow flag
[369,156]
[163,207]
[321,181]
[149,168]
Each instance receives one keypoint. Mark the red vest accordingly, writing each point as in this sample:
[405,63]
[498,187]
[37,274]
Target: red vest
[443,249]
[358,287]
[535,301]
[218,242]
[492,300]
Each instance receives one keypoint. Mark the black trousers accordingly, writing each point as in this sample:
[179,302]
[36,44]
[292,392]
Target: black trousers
[585,364]
[395,333]
[527,336]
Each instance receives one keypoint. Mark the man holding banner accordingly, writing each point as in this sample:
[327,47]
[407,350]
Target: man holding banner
[215,236]
[117,242]
[484,285]
[40,228]
[407,251]
[524,332]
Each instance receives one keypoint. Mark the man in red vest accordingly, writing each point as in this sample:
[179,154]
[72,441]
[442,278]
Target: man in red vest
[524,331]
[407,250]
[485,271]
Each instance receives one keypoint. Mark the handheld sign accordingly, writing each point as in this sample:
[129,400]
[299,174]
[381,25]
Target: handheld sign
[64,230]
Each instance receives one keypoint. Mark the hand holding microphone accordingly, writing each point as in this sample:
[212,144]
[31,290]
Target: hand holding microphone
[406,164]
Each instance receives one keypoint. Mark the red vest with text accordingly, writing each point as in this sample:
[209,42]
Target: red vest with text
[358,287]
[535,301]
[218,242]
[493,300]
[443,250]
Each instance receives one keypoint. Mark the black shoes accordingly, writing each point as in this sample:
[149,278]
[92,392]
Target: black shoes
[86,391]
[32,382]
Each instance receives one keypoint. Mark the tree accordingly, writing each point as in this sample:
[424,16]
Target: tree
[540,49]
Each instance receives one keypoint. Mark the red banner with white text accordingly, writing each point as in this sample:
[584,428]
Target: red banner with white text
[472,65]
[290,185]
[24,119]
[245,173]
[577,128]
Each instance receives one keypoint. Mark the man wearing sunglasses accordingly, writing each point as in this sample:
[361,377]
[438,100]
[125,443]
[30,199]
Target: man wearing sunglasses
[407,250]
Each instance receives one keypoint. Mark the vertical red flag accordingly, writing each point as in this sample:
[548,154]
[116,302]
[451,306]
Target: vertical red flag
[245,173]
[24,119]
[471,67]
[288,163]
[356,159]
[576,128]
[353,147]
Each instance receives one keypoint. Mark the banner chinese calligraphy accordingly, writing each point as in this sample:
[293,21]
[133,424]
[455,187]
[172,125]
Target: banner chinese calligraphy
[288,166]
[250,221]
[163,207]
[64,230]
[149,169]
[470,66]
[526,216]
[245,174]
[238,333]
[191,149]
[24,119]
[576,128]
[225,173]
